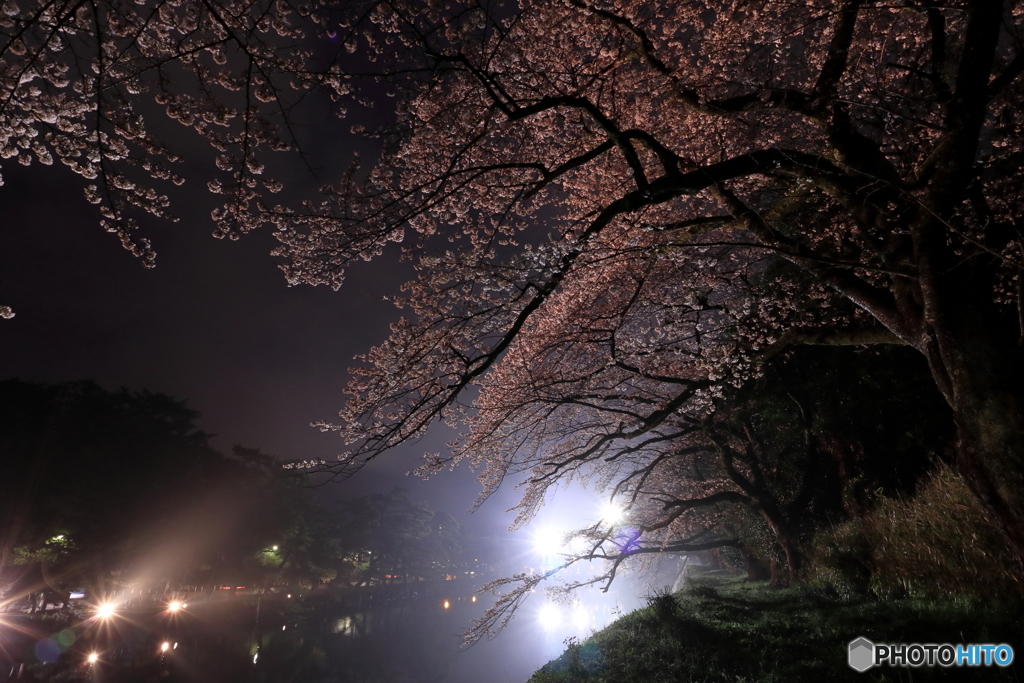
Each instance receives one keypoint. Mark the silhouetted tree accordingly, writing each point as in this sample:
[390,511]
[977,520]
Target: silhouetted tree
[93,466]
[94,481]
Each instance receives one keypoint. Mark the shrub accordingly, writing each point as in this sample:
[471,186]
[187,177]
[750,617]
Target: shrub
[940,542]
[663,604]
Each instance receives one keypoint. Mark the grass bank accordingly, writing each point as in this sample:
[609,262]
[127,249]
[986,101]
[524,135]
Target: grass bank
[724,628]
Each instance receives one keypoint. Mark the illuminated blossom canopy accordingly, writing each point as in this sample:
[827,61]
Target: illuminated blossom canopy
[618,209]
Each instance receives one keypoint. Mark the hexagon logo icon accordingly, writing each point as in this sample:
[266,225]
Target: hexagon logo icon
[862,654]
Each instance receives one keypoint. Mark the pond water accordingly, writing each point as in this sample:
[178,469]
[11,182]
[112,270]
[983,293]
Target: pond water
[413,639]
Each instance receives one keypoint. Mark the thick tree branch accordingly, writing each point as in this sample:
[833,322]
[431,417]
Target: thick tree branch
[838,53]
[1009,75]
[830,336]
[706,501]
[968,107]
[878,302]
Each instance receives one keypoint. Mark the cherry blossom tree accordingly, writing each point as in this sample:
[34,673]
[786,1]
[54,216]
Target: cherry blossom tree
[72,77]
[619,210]
[647,201]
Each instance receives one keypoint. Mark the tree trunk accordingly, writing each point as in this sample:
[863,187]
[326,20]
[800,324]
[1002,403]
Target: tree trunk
[785,536]
[990,455]
[756,571]
[984,372]
[794,558]
[777,577]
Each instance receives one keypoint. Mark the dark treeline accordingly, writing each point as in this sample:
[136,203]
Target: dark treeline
[113,492]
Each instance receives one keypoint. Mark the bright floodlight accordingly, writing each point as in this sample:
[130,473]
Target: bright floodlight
[174,606]
[548,542]
[92,658]
[549,616]
[164,647]
[612,513]
[105,611]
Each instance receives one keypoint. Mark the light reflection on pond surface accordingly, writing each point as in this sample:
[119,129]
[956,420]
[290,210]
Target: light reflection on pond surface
[420,641]
[385,639]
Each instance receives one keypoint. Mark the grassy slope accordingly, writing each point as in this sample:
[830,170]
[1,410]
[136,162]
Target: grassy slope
[723,628]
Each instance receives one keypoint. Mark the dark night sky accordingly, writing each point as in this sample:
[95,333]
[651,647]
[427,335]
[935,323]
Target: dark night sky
[213,323]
